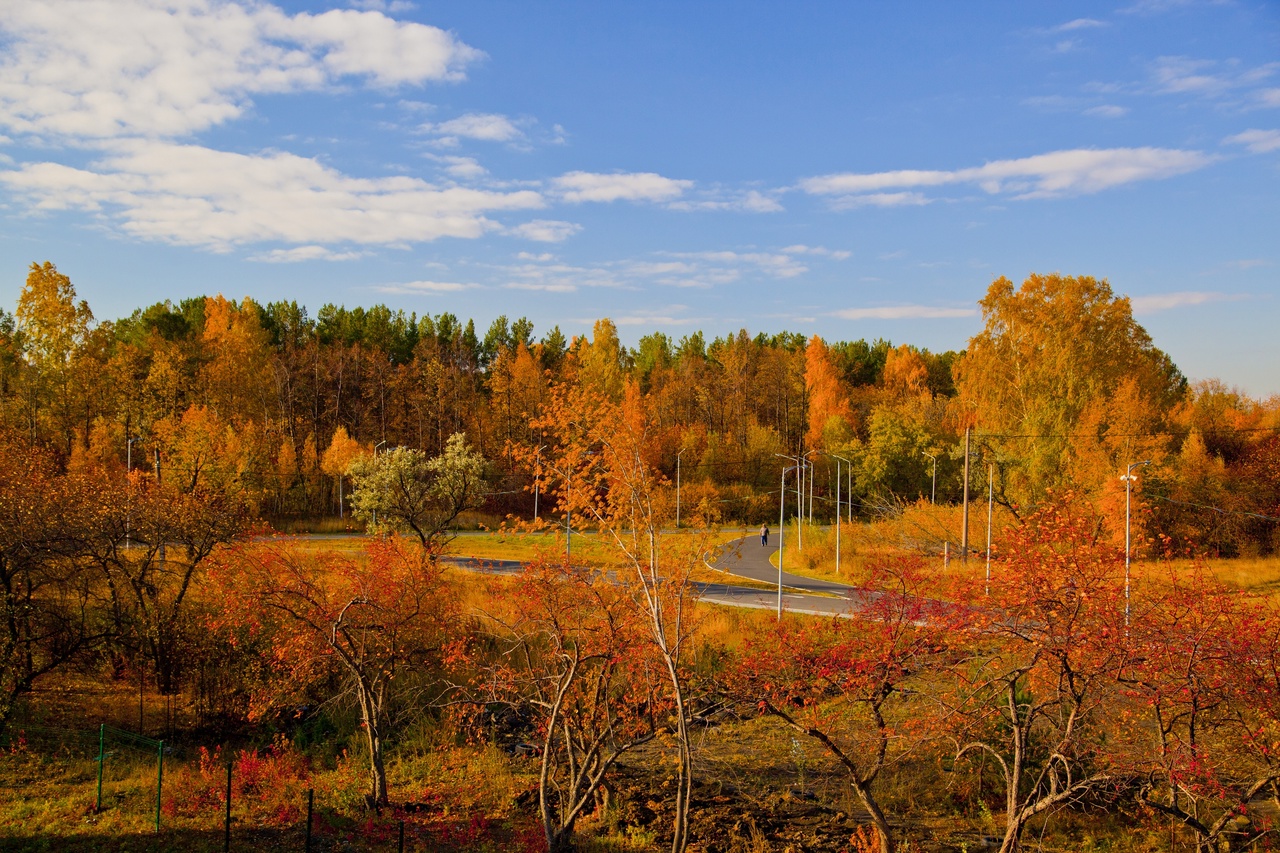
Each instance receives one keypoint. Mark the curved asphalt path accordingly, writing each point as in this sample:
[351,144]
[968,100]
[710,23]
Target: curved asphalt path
[745,558]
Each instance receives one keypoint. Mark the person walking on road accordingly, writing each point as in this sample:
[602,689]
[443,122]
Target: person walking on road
[764,535]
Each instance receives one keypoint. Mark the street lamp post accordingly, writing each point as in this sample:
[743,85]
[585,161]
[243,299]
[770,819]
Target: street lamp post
[839,459]
[782,528]
[933,490]
[799,469]
[1128,490]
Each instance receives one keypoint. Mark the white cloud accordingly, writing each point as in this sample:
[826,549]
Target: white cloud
[382,5]
[775,264]
[192,195]
[462,168]
[1257,141]
[544,287]
[904,312]
[1058,173]
[821,251]
[305,253]
[1155,302]
[1182,75]
[752,201]
[1079,24]
[656,319]
[422,287]
[1107,111]
[903,199]
[1157,7]
[85,69]
[486,127]
[546,230]
[619,186]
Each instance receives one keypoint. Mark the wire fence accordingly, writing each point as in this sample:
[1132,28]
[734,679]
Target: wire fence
[124,772]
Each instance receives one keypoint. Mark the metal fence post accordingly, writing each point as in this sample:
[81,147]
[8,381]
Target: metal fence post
[159,779]
[226,836]
[311,802]
[102,757]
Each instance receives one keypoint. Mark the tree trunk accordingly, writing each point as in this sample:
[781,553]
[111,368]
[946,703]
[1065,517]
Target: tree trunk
[377,767]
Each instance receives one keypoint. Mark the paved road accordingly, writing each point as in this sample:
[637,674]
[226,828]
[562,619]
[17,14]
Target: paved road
[745,558]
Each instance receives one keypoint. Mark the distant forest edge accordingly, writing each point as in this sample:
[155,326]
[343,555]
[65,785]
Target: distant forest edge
[266,406]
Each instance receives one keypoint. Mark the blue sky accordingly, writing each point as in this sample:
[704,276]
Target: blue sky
[847,169]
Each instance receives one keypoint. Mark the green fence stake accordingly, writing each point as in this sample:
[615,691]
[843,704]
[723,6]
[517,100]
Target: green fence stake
[102,757]
[226,838]
[159,779]
[311,802]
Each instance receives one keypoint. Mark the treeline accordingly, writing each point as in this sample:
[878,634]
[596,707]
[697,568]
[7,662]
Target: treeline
[1062,388]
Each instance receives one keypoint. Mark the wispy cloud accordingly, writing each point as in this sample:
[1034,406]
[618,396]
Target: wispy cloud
[1079,24]
[682,270]
[485,127]
[191,195]
[1107,111]
[426,288]
[1160,7]
[1247,87]
[1257,141]
[299,254]
[775,264]
[903,199]
[904,312]
[751,201]
[1155,302]
[1058,173]
[546,230]
[576,187]
[667,316]
[820,251]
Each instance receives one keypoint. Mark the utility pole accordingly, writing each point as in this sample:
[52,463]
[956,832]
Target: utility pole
[991,493]
[964,532]
[813,470]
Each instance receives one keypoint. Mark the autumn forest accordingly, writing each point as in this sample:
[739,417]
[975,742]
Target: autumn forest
[324,557]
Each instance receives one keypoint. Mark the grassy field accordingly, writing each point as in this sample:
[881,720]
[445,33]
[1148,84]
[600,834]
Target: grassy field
[760,789]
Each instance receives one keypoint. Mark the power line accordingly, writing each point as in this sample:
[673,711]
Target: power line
[1218,509]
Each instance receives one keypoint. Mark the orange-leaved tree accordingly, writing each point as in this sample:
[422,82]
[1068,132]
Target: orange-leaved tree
[1047,646]
[384,620]
[337,459]
[573,661]
[605,455]
[1207,679]
[843,681]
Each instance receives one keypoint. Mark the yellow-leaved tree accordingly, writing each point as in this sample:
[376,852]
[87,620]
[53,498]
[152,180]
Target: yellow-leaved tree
[1052,350]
